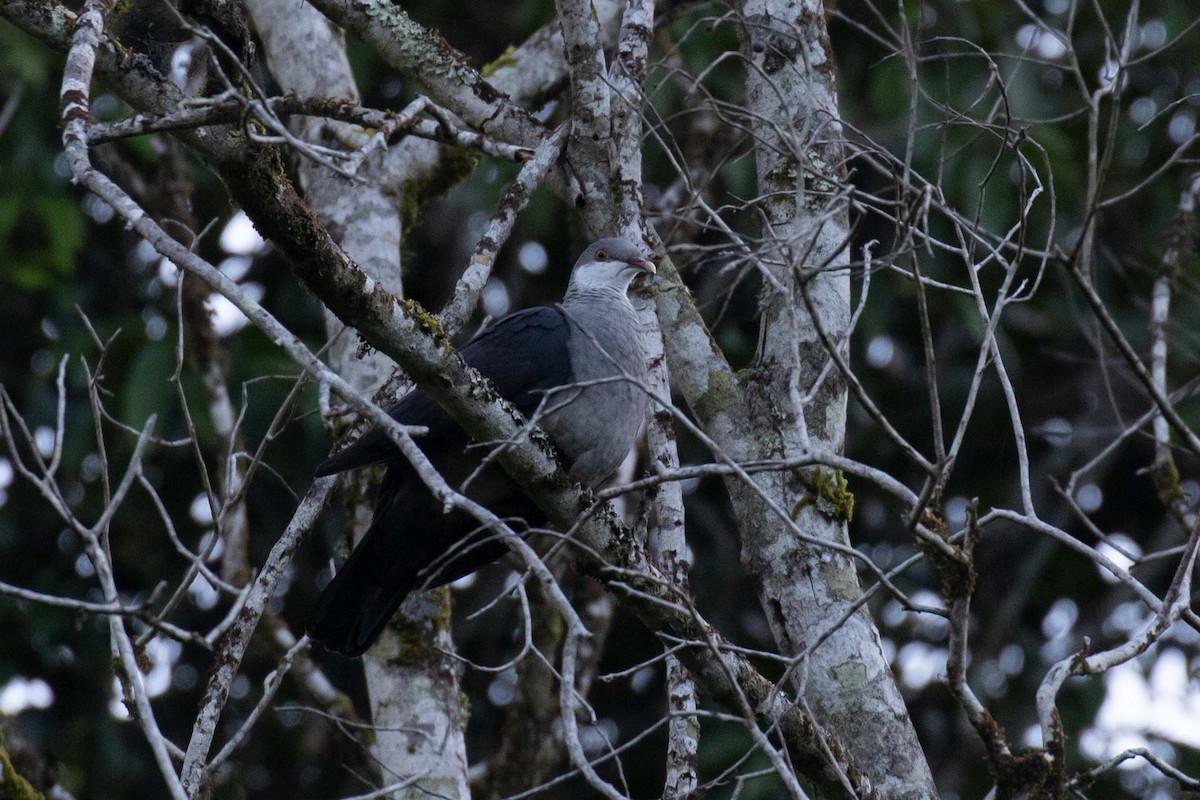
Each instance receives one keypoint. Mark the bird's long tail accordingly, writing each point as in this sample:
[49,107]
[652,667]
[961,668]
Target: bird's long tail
[353,609]
[410,546]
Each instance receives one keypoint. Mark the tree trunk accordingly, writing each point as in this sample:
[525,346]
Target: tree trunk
[413,687]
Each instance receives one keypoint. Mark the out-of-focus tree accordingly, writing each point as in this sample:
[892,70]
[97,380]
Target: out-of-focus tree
[916,510]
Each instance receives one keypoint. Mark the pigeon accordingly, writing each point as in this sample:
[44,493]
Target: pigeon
[577,369]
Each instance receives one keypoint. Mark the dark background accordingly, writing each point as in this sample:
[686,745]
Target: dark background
[62,257]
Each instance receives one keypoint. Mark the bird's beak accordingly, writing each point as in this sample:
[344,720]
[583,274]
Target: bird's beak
[644,264]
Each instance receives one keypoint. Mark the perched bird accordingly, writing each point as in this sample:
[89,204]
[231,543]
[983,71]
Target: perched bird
[564,366]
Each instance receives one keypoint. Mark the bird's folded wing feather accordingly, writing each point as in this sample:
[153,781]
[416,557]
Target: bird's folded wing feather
[523,355]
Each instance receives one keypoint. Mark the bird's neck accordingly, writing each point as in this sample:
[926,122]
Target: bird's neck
[580,291]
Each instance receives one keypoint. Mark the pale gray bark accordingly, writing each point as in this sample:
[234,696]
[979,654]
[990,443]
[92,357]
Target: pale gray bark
[426,58]
[791,98]
[627,76]
[414,691]
[537,67]
[800,236]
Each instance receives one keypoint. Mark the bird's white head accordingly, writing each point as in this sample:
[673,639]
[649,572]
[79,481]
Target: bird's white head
[610,264]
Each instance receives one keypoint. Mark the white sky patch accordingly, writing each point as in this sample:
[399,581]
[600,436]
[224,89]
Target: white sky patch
[1032,737]
[156,326]
[226,317]
[881,350]
[924,597]
[1107,74]
[1127,618]
[1119,549]
[1090,497]
[168,273]
[201,511]
[893,613]
[163,654]
[142,256]
[240,687]
[1011,660]
[43,437]
[1182,634]
[1137,707]
[1182,127]
[1142,110]
[1057,431]
[643,680]
[545,112]
[1060,618]
[83,566]
[1153,34]
[6,473]
[930,627]
[202,593]
[495,298]
[100,211]
[598,738]
[115,706]
[920,664]
[181,64]
[92,467]
[502,690]
[1041,42]
[477,223]
[21,693]
[533,258]
[217,548]
[465,582]
[956,511]
[239,238]
[236,267]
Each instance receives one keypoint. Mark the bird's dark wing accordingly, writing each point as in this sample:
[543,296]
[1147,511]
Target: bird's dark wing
[523,354]
[375,446]
[410,544]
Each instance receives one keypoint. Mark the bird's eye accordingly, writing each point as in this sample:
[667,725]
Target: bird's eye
[602,255]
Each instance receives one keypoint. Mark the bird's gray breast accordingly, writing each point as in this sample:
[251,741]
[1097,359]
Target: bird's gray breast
[595,419]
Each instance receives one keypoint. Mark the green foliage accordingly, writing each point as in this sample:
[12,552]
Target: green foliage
[40,238]
[147,379]
[25,62]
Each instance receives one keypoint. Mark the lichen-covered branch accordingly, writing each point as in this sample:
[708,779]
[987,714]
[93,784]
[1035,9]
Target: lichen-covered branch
[444,72]
[420,690]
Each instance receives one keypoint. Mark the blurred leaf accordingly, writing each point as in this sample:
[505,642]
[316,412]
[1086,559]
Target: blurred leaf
[146,383]
[39,239]
[23,60]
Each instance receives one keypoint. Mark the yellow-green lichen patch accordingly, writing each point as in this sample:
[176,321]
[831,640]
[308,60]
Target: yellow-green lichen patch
[505,59]
[411,643]
[12,785]
[849,674]
[828,493]
[427,322]
[1166,481]
[718,396]
[839,578]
